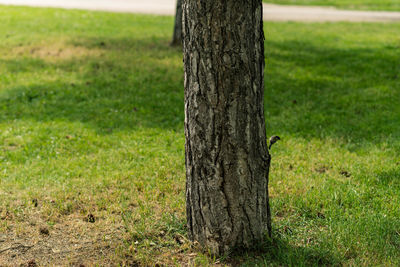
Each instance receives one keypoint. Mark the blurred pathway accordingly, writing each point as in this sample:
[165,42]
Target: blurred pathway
[167,7]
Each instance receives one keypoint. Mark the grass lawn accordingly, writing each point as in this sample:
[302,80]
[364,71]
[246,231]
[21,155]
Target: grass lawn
[92,144]
[389,5]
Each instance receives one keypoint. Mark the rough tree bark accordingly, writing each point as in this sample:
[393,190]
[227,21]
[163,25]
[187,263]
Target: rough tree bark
[177,36]
[227,160]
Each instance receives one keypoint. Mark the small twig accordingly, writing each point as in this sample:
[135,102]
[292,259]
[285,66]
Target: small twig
[16,247]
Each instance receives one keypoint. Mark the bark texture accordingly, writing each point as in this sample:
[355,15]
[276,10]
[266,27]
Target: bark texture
[177,36]
[227,161]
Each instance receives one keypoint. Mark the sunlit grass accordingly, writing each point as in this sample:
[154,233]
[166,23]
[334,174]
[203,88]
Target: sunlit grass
[91,123]
[389,5]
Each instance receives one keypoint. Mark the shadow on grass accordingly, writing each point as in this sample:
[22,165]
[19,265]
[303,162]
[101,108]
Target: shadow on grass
[389,177]
[134,84]
[278,252]
[310,91]
[330,92]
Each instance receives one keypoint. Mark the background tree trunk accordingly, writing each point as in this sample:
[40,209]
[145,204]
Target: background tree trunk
[227,161]
[177,36]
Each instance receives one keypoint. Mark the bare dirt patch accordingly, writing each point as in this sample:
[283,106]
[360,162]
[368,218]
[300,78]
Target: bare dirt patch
[70,242]
[56,51]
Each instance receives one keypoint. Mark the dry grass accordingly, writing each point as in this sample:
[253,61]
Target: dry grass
[74,241]
[55,51]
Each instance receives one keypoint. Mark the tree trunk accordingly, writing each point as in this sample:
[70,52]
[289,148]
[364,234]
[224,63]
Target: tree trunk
[227,160]
[177,36]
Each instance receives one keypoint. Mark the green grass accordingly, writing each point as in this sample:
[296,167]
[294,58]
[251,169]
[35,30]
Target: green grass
[91,123]
[389,5]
